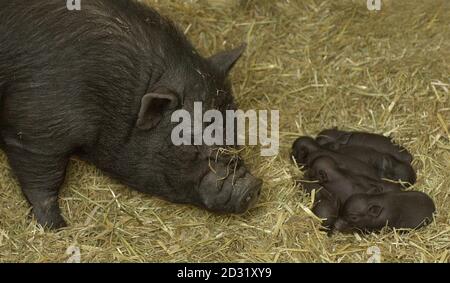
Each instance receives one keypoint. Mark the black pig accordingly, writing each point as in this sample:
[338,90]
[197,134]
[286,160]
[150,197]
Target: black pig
[387,166]
[345,162]
[302,147]
[372,212]
[335,139]
[343,184]
[102,83]
[308,184]
[326,207]
[305,149]
[335,186]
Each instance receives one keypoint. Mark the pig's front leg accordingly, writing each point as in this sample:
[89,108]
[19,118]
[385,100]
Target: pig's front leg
[40,177]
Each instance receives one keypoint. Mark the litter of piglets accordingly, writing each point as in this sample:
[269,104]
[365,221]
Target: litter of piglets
[361,182]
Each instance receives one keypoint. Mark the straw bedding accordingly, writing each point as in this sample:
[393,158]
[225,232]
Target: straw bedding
[322,64]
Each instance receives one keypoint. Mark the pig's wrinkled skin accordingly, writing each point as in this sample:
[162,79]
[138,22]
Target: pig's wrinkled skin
[102,83]
[336,139]
[372,212]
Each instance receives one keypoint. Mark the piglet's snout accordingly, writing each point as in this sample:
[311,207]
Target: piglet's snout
[341,225]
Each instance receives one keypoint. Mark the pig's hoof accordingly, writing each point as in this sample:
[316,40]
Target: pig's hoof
[60,224]
[53,225]
[51,221]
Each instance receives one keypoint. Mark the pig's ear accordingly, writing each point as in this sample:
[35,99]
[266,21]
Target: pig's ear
[386,163]
[153,107]
[344,138]
[224,61]
[374,210]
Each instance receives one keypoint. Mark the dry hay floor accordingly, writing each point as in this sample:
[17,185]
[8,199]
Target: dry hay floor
[322,64]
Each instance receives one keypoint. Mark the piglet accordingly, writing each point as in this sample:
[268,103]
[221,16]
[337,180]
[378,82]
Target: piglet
[336,182]
[335,139]
[326,207]
[372,212]
[387,166]
[302,147]
[306,150]
[352,165]
[343,184]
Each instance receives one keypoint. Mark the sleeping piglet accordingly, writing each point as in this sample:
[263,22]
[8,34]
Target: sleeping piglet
[335,185]
[336,139]
[387,166]
[302,147]
[372,212]
[345,162]
[306,150]
[326,207]
[343,184]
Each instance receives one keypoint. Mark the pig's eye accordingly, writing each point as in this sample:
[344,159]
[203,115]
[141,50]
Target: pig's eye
[374,210]
[353,218]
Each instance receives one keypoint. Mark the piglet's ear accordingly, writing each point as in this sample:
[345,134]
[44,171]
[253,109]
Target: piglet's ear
[386,164]
[374,210]
[153,107]
[224,61]
[344,138]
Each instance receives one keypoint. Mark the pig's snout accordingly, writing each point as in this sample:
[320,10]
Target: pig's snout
[342,226]
[251,189]
[234,192]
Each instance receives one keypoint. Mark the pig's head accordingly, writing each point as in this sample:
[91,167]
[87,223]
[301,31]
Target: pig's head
[302,147]
[363,212]
[326,208]
[324,169]
[208,176]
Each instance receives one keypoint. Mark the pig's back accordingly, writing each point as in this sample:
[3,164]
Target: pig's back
[63,73]
[415,208]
